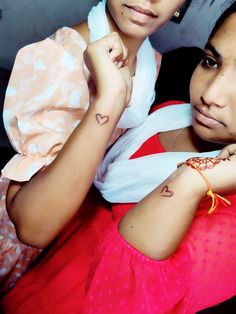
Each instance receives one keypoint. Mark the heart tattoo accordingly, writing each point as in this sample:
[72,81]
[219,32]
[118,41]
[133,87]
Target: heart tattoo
[165,192]
[102,119]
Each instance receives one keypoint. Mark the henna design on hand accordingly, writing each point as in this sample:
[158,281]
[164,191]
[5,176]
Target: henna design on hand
[166,192]
[102,119]
[204,163]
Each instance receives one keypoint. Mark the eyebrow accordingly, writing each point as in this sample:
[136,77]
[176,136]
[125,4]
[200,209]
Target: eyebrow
[210,47]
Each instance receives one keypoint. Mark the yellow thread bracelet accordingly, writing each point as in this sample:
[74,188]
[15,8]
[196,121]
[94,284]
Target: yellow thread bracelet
[214,196]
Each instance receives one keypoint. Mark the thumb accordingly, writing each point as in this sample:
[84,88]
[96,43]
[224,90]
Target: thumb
[228,151]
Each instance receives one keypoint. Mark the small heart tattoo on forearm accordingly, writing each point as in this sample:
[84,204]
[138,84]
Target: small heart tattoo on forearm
[165,192]
[102,119]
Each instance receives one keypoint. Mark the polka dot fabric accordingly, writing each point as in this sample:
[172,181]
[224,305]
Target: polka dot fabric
[14,255]
[212,246]
[123,275]
[92,269]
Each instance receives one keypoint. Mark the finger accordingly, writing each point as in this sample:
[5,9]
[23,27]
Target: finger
[224,153]
[117,50]
[228,151]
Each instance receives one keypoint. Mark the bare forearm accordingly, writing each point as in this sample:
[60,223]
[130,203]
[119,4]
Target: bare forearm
[156,226]
[49,200]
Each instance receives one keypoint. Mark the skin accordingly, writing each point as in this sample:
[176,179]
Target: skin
[134,27]
[215,93]
[38,208]
[212,92]
[131,24]
[157,225]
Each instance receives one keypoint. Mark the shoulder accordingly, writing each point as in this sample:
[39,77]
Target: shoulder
[69,38]
[83,30]
[63,39]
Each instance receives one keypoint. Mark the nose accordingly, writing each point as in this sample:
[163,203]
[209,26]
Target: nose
[218,91]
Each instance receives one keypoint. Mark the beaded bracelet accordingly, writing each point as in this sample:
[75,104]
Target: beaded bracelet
[214,196]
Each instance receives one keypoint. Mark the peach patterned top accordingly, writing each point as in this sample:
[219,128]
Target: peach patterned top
[47,96]
[48,93]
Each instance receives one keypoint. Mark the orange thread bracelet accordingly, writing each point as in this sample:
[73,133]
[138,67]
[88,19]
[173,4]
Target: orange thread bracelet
[214,196]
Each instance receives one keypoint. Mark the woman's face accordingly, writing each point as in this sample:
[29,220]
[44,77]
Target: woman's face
[213,87]
[140,18]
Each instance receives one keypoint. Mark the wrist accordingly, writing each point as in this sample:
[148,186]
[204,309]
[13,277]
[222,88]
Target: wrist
[194,184]
[111,99]
[111,106]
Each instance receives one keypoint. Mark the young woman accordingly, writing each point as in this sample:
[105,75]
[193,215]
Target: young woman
[173,252]
[49,92]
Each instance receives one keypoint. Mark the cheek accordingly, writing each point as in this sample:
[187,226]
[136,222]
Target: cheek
[113,9]
[232,121]
[196,87]
[193,90]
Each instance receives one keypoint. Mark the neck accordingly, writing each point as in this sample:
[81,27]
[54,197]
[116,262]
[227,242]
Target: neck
[200,144]
[131,43]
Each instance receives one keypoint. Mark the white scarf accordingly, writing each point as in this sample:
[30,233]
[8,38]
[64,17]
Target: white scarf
[124,180]
[143,93]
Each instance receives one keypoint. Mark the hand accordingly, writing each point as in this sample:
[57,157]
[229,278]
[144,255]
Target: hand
[107,61]
[228,152]
[219,171]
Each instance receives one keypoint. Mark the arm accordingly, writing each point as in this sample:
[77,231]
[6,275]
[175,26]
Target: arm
[41,207]
[158,224]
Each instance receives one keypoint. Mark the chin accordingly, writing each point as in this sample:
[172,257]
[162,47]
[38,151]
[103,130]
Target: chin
[139,36]
[204,133]
[136,30]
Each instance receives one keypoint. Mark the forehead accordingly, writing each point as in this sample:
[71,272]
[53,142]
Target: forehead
[224,39]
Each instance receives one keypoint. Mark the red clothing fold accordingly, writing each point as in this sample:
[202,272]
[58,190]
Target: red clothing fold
[92,269]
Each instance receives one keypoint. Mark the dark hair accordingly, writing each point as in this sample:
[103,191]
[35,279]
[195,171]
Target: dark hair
[172,82]
[231,9]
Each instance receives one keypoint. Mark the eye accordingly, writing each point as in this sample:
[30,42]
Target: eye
[209,62]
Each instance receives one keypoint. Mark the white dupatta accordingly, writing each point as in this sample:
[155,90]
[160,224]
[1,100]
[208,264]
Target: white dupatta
[124,180]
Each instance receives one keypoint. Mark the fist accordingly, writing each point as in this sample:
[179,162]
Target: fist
[107,61]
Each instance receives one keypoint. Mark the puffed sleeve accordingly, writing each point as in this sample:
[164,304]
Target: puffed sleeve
[46,98]
[123,280]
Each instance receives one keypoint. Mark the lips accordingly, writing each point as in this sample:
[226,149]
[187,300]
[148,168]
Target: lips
[141,10]
[206,118]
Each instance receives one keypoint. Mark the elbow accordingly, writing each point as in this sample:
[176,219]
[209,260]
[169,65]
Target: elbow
[31,237]
[29,232]
[28,226]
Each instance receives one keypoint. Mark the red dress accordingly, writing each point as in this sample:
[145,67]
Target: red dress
[92,269]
